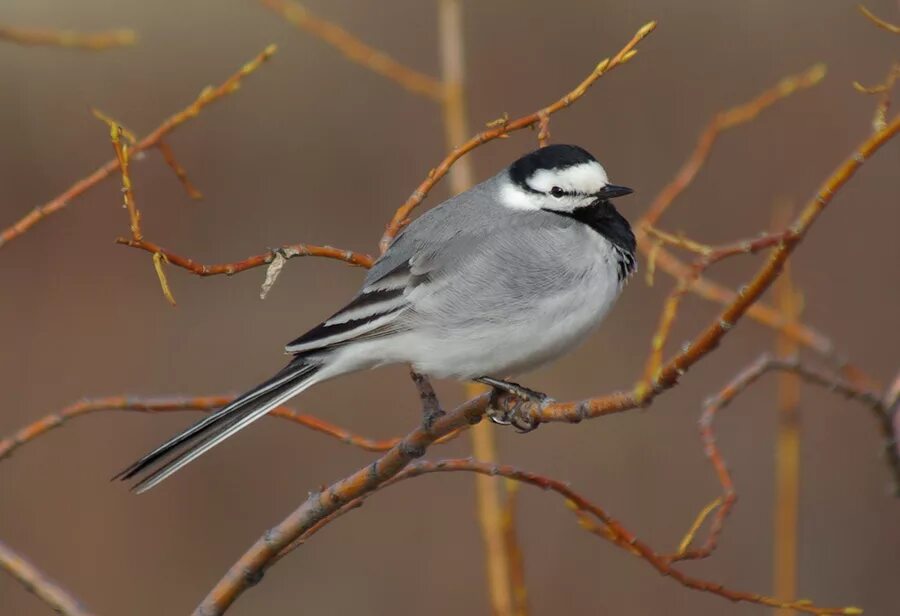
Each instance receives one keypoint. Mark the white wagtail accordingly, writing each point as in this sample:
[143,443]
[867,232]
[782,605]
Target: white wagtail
[494,281]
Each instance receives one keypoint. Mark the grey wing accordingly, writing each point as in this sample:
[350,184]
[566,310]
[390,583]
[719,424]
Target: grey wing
[413,266]
[499,278]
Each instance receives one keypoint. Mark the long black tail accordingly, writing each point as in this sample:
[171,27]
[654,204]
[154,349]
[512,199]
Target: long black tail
[212,430]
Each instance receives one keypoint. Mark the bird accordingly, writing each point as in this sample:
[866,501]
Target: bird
[493,282]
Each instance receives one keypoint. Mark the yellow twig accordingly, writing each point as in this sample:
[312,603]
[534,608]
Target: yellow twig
[884,25]
[94,41]
[787,448]
[158,259]
[698,522]
[356,50]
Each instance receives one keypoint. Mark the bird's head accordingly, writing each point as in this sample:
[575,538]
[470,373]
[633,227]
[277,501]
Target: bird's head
[558,178]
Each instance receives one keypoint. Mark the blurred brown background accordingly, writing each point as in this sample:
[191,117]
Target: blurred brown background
[316,149]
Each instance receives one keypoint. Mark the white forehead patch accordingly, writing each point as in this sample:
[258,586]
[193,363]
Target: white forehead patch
[585,178]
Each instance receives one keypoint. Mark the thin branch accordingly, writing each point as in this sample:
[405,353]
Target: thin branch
[204,404]
[514,556]
[884,25]
[401,216]
[37,583]
[208,96]
[356,50]
[787,442]
[724,120]
[86,41]
[708,255]
[289,251]
[169,156]
[884,91]
[123,155]
[765,363]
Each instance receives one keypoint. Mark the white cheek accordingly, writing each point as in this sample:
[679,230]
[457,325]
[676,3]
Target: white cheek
[517,198]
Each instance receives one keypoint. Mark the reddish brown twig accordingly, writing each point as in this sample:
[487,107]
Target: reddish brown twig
[722,121]
[884,25]
[247,569]
[765,363]
[169,156]
[123,155]
[37,583]
[207,96]
[708,255]
[401,216]
[357,51]
[165,405]
[615,531]
[87,41]
[290,251]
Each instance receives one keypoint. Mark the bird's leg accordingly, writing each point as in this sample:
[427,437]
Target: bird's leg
[431,407]
[505,412]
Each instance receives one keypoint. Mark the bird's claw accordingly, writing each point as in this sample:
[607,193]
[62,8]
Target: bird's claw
[508,405]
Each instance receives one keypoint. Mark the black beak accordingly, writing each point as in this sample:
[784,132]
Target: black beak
[611,191]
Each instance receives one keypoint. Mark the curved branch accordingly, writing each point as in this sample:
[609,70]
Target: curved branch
[166,405]
[744,379]
[290,251]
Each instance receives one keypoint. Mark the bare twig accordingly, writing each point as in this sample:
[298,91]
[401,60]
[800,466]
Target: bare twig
[87,41]
[169,156]
[765,363]
[736,116]
[514,556]
[787,447]
[708,255]
[357,51]
[36,582]
[884,25]
[207,96]
[290,251]
[166,405]
[884,91]
[401,216]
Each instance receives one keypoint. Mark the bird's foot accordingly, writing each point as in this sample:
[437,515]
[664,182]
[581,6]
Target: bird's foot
[510,403]
[431,408]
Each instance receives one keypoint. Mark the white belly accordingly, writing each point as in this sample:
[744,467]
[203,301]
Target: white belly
[534,332]
[520,334]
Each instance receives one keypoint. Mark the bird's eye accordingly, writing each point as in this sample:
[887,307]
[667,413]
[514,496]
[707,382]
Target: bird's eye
[557,192]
